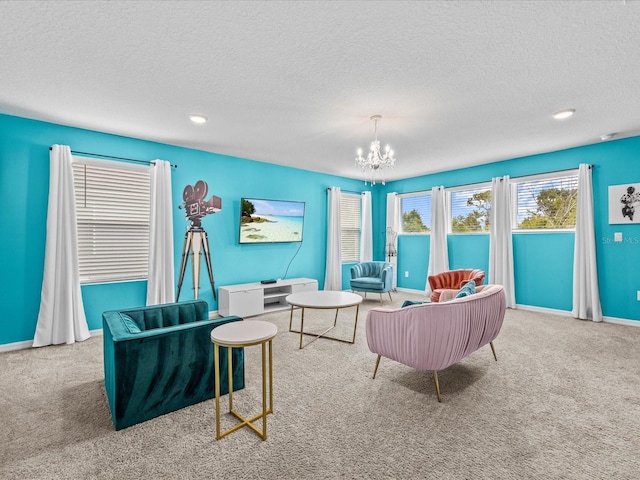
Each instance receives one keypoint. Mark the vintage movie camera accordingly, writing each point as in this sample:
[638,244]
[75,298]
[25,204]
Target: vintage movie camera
[195,204]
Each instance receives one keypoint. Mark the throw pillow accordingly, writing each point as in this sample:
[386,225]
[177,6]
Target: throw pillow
[130,323]
[468,288]
[406,303]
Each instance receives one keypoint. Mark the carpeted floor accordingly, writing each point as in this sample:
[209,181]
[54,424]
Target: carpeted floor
[562,402]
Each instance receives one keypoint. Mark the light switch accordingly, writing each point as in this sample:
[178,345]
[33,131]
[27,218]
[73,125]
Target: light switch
[617,237]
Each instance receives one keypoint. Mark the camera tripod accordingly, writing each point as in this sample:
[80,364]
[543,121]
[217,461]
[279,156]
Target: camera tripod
[195,238]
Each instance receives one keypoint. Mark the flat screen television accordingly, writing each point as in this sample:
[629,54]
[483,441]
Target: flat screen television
[270,221]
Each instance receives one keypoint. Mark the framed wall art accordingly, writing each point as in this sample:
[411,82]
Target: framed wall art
[624,203]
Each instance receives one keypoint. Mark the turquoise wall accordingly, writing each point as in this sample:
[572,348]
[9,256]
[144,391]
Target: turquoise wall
[24,186]
[544,261]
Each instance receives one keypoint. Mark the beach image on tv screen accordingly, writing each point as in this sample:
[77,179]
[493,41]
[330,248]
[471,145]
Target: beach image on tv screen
[269,221]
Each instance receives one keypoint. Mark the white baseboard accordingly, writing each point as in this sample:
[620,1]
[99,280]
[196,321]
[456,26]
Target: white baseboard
[552,311]
[9,347]
[622,321]
[410,290]
[566,313]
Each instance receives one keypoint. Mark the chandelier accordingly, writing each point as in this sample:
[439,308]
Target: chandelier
[374,164]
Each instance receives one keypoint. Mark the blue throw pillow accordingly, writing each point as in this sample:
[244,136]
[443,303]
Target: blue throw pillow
[468,288]
[406,303]
[130,323]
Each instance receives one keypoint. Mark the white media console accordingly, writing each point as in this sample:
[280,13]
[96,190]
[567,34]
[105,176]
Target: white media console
[251,299]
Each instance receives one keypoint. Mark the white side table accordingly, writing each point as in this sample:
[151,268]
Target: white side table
[244,334]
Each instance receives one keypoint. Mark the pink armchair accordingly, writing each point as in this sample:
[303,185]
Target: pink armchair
[434,336]
[453,280]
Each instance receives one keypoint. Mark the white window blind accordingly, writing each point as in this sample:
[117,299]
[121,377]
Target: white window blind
[112,207]
[470,208]
[350,206]
[415,209]
[546,202]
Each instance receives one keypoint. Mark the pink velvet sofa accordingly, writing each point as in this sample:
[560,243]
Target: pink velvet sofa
[434,336]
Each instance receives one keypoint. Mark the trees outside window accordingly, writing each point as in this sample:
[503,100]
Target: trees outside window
[412,223]
[416,212]
[470,210]
[547,204]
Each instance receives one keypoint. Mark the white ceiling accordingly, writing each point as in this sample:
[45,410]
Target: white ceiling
[294,83]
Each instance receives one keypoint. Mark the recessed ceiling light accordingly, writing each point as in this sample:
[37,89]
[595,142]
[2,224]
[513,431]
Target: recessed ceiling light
[197,118]
[606,137]
[563,114]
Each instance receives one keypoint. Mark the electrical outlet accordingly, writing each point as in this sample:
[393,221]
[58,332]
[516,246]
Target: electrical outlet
[638,294]
[617,237]
[406,275]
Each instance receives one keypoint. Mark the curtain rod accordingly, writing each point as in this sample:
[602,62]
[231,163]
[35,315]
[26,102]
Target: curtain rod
[521,176]
[348,191]
[148,162]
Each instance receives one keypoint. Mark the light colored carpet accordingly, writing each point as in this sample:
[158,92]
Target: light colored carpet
[562,402]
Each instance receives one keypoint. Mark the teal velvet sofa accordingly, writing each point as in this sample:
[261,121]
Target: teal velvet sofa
[159,359]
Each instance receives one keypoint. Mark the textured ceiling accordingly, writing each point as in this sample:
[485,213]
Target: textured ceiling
[294,83]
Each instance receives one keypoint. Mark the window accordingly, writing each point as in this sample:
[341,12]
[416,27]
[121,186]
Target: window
[350,205]
[470,209]
[415,209]
[546,202]
[112,207]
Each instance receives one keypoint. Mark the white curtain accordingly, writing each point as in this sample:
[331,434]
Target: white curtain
[438,249]
[61,318]
[393,227]
[500,239]
[160,286]
[586,297]
[366,231]
[333,271]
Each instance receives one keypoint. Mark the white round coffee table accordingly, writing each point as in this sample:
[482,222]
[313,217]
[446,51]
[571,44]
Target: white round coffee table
[323,299]
[244,334]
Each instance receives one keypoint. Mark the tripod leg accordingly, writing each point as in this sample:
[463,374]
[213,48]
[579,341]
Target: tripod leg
[196,243]
[207,257]
[183,265]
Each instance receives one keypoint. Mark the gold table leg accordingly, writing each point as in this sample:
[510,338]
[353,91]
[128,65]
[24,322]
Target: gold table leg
[319,335]
[291,319]
[216,359]
[355,324]
[265,410]
[264,391]
[301,327]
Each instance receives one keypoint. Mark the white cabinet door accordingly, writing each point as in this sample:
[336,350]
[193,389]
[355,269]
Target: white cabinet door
[246,303]
[304,287]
